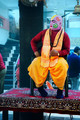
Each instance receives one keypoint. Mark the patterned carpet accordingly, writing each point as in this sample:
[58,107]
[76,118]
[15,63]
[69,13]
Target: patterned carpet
[25,92]
[20,99]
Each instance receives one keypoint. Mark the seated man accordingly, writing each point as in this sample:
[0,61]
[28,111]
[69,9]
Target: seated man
[55,46]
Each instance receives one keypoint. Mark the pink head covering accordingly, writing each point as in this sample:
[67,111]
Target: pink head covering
[56,22]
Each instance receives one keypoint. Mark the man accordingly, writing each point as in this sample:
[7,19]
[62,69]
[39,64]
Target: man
[74,68]
[2,74]
[55,46]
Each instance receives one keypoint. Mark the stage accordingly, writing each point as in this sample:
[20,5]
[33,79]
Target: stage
[20,100]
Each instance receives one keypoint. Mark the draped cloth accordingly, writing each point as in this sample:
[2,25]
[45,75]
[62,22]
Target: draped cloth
[38,69]
[57,45]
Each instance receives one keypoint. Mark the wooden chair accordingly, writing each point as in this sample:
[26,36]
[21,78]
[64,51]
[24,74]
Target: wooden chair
[32,82]
[66,85]
[32,87]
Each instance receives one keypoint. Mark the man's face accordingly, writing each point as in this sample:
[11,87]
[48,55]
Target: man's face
[56,23]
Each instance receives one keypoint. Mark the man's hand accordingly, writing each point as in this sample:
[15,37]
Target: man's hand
[53,53]
[36,54]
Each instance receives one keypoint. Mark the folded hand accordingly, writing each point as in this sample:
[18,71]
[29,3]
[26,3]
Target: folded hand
[53,53]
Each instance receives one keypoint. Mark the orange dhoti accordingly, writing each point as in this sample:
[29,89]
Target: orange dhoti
[39,73]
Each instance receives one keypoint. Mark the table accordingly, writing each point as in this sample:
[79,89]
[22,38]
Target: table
[19,99]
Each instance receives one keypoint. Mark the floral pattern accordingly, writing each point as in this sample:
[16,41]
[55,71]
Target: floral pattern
[20,99]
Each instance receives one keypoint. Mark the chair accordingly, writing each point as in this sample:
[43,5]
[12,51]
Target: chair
[66,86]
[32,82]
[32,87]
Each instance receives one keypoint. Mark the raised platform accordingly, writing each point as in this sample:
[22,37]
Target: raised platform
[20,100]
